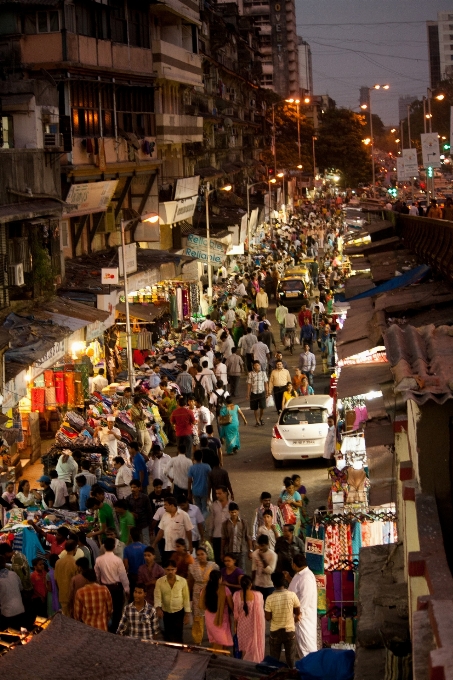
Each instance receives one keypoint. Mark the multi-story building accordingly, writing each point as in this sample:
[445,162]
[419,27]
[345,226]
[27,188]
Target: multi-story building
[305,66]
[440,47]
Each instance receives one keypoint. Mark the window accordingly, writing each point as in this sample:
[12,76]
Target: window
[306,416]
[85,109]
[48,22]
[135,110]
[118,23]
[267,79]
[139,27]
[85,21]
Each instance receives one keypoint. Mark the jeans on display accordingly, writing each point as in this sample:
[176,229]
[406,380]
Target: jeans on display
[280,637]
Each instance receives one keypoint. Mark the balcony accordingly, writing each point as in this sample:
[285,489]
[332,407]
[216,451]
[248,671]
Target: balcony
[47,48]
[174,129]
[175,63]
[186,9]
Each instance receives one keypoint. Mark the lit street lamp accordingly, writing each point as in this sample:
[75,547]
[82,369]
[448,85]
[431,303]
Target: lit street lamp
[368,106]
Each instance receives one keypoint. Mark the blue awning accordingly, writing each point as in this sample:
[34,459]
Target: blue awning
[407,279]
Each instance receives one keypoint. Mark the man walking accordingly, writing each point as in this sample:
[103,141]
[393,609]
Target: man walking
[139,619]
[260,353]
[110,572]
[177,471]
[245,345]
[282,609]
[183,421]
[235,536]
[280,314]
[175,523]
[93,603]
[307,333]
[65,569]
[278,381]
[329,444]
[264,562]
[307,363]
[303,584]
[139,419]
[218,513]
[140,506]
[257,391]
[262,302]
[172,602]
[235,366]
[258,521]
[185,381]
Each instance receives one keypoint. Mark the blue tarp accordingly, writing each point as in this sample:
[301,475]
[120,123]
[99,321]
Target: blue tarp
[327,664]
[406,279]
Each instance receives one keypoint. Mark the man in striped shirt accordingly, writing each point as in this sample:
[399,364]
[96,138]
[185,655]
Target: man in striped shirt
[257,391]
[93,603]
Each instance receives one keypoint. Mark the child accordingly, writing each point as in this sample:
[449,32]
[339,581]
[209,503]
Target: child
[83,490]
[269,529]
[38,579]
[53,604]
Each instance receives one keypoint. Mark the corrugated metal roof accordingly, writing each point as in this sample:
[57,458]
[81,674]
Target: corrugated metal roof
[422,362]
[145,312]
[363,378]
[29,209]
[422,295]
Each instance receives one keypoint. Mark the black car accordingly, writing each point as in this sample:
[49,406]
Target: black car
[292,292]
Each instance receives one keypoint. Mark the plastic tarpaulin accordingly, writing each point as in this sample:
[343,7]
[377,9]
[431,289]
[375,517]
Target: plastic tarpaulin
[406,279]
[327,664]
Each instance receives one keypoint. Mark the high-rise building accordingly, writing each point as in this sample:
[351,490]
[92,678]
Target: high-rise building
[403,103]
[440,47]
[276,22]
[305,66]
[364,95]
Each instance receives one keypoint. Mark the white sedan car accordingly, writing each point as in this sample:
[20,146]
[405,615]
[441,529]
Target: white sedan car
[301,429]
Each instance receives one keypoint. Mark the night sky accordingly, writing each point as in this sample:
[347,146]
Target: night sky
[363,42]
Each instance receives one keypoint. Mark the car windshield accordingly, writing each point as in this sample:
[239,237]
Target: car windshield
[294,284]
[304,416]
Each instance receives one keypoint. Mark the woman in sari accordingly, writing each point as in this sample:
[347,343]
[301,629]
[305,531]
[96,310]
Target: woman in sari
[199,573]
[216,601]
[290,503]
[230,431]
[305,387]
[249,621]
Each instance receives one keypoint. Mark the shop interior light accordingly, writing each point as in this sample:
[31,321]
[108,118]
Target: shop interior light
[273,180]
[280,174]
[307,100]
[227,187]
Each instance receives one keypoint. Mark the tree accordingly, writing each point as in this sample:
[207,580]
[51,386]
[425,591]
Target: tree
[339,146]
[286,137]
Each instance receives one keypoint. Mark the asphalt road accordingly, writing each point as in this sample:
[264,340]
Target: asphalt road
[252,469]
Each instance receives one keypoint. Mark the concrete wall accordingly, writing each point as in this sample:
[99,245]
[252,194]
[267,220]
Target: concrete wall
[22,169]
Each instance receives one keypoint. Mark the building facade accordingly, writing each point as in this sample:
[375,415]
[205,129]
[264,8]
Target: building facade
[305,66]
[440,47]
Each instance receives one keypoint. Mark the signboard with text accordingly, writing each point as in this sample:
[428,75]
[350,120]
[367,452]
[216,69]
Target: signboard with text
[131,258]
[197,247]
[90,197]
[430,150]
[175,211]
[410,163]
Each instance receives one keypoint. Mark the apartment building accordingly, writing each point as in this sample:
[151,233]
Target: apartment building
[440,47]
[305,66]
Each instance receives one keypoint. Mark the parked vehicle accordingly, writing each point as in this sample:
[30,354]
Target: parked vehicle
[292,292]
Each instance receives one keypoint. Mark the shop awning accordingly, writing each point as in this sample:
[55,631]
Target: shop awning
[379,432]
[363,378]
[30,209]
[406,279]
[209,172]
[72,315]
[230,168]
[144,312]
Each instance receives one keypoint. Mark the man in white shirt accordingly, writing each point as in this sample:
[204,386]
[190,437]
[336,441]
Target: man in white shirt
[158,465]
[413,210]
[109,436]
[207,377]
[89,476]
[260,353]
[110,572]
[229,316]
[329,444]
[175,523]
[123,478]
[99,382]
[220,370]
[227,343]
[66,467]
[315,304]
[280,314]
[245,344]
[59,488]
[240,288]
[177,471]
[264,561]
[196,517]
[303,584]
[207,324]
[204,417]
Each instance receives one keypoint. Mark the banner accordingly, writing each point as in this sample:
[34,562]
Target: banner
[197,247]
[410,163]
[187,187]
[90,197]
[171,212]
[400,170]
[430,150]
[243,231]
[130,252]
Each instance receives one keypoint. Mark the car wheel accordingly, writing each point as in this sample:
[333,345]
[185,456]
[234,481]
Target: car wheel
[277,463]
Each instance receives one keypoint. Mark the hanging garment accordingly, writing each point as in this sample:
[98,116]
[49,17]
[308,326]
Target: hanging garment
[49,378]
[315,559]
[17,425]
[30,545]
[60,388]
[185,303]
[357,486]
[38,398]
[78,388]
[376,532]
[174,311]
[356,539]
[179,303]
[331,547]
[366,534]
[51,398]
[69,383]
[89,145]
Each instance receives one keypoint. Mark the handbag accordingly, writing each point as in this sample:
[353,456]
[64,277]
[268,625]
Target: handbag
[226,419]
[270,401]
[289,516]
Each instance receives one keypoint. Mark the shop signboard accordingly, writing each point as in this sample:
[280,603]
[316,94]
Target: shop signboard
[130,252]
[52,356]
[197,247]
[430,150]
[109,275]
[171,212]
[410,163]
[96,329]
[90,197]
[187,187]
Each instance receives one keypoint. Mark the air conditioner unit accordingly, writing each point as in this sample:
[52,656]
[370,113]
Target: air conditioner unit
[16,274]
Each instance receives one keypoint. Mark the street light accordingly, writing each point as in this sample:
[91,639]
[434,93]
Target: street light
[147,217]
[207,192]
[373,171]
[297,102]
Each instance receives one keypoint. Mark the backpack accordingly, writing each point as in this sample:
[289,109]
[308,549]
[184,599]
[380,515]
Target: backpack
[199,392]
[220,402]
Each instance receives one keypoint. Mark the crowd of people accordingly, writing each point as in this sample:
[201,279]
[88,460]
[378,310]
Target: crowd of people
[171,546]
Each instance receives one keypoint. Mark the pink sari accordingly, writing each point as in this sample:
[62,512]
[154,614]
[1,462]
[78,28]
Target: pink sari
[250,628]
